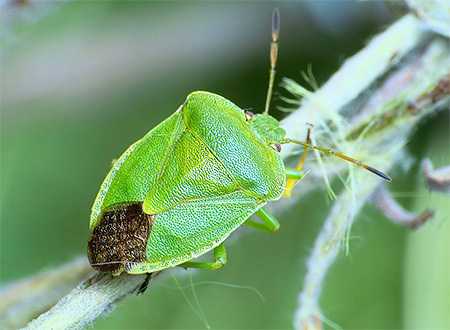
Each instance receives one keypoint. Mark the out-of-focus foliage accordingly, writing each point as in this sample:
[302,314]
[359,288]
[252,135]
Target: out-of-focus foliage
[81,81]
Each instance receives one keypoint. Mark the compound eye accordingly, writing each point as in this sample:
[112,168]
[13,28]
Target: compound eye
[276,147]
[248,115]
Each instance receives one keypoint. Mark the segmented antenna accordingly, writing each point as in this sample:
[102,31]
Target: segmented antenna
[330,152]
[273,55]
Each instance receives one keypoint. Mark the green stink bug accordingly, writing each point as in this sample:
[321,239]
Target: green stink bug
[183,188]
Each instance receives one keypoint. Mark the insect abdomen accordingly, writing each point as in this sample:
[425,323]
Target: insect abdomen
[120,238]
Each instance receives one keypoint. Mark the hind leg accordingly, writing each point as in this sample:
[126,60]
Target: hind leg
[144,285]
[220,259]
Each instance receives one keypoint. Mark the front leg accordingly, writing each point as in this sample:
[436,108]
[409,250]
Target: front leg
[295,174]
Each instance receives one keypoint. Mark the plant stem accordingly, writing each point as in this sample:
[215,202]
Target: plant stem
[396,101]
[25,299]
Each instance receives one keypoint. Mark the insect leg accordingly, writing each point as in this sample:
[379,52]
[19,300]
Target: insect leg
[290,184]
[220,259]
[144,284]
[292,173]
[270,223]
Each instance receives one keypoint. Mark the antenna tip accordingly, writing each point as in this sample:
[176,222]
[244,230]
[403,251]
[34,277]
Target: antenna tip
[379,173]
[275,24]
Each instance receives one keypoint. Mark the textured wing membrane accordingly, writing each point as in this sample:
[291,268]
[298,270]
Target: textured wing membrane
[200,174]
[191,229]
[192,172]
[137,170]
[206,149]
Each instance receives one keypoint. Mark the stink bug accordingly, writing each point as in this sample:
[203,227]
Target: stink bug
[183,188]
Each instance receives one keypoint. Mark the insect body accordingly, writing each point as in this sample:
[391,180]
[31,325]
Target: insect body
[186,185]
[183,188]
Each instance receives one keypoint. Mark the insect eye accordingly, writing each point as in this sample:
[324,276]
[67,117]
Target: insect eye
[276,147]
[248,115]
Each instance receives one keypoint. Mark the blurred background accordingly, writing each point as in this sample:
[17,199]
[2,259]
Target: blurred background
[80,81]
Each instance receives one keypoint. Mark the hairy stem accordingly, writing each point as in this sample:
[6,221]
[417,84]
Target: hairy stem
[384,201]
[25,299]
[88,301]
[383,116]
[437,179]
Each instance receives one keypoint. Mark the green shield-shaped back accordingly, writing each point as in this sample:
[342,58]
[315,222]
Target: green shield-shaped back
[201,173]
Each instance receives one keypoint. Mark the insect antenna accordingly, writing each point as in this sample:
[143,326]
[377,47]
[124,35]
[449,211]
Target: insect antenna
[273,55]
[331,152]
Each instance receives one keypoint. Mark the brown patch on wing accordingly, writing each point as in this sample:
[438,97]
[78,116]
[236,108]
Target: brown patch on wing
[120,238]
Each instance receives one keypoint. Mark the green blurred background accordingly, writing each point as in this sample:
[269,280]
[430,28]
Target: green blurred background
[80,81]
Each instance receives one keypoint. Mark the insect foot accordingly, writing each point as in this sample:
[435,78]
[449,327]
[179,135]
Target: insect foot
[120,238]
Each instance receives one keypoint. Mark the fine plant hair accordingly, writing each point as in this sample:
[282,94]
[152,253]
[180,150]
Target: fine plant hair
[367,109]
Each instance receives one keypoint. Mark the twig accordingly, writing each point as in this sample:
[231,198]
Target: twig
[88,301]
[398,100]
[326,248]
[23,300]
[384,201]
[437,179]
[435,13]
